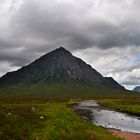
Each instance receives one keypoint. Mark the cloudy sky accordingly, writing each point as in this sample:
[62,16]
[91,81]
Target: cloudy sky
[104,33]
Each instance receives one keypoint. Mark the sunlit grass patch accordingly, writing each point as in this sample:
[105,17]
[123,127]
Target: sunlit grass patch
[128,105]
[61,123]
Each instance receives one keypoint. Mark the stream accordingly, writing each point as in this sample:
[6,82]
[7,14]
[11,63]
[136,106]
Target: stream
[109,118]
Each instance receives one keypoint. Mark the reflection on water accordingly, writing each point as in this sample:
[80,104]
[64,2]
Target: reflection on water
[111,119]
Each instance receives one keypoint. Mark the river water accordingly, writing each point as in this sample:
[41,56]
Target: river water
[111,119]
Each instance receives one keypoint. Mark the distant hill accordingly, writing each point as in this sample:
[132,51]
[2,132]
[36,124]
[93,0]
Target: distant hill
[137,89]
[54,67]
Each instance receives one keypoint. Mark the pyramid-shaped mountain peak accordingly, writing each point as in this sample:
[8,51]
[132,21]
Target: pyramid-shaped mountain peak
[58,53]
[61,50]
[58,65]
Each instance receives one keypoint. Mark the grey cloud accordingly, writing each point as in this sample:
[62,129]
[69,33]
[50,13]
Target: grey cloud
[134,82]
[71,26]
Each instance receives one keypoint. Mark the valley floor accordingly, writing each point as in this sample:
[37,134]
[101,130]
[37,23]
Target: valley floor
[27,118]
[40,118]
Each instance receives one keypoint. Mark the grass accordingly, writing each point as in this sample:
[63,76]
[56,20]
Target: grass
[128,105]
[64,91]
[19,120]
[63,124]
[26,118]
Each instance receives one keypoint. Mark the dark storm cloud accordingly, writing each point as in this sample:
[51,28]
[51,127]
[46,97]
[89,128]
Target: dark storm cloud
[40,26]
[75,26]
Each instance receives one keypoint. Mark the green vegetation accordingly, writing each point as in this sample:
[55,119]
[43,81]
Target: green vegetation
[64,90]
[128,105]
[41,112]
[32,118]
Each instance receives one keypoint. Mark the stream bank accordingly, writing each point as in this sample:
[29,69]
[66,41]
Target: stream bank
[118,123]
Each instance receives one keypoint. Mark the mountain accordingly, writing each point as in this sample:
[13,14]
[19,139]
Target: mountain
[112,83]
[137,89]
[57,66]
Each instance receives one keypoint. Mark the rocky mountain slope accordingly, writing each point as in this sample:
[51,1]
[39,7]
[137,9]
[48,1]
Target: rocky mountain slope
[57,66]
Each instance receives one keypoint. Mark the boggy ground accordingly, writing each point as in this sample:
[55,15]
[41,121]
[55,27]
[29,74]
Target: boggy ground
[32,118]
[50,118]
